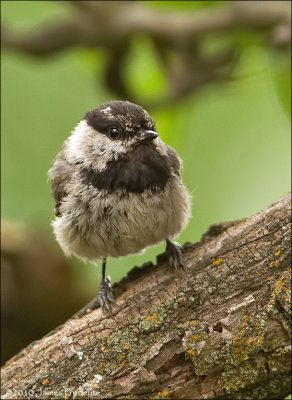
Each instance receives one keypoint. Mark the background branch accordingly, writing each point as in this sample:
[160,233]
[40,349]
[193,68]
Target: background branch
[112,25]
[219,328]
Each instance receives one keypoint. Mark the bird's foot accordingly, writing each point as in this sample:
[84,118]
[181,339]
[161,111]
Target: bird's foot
[173,252]
[106,294]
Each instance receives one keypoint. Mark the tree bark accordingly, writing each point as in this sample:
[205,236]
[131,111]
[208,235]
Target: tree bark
[218,328]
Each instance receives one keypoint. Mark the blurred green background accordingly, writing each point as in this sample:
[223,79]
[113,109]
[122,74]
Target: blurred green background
[233,138]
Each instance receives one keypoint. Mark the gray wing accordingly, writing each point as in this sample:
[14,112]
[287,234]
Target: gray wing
[174,160]
[60,174]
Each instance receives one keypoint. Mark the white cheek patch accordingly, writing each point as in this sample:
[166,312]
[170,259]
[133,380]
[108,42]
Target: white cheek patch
[103,151]
[92,148]
[76,140]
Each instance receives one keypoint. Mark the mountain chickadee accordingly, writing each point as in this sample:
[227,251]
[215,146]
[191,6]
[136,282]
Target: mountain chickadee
[117,189]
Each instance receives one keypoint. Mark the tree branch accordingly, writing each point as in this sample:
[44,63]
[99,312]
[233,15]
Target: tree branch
[111,25]
[219,328]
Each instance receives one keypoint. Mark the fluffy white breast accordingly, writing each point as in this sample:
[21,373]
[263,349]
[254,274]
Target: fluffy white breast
[118,224]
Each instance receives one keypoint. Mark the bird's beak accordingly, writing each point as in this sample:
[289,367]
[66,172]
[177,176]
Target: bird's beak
[147,136]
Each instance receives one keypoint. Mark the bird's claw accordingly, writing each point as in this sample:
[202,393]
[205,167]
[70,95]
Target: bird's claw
[173,252]
[106,294]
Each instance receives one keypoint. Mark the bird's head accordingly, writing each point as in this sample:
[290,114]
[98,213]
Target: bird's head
[110,131]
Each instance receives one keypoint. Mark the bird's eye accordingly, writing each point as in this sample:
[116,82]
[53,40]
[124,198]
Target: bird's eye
[114,133]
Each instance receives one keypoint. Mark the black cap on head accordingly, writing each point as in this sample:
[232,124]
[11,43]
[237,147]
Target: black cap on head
[121,114]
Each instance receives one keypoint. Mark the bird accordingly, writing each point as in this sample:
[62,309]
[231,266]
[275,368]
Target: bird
[118,190]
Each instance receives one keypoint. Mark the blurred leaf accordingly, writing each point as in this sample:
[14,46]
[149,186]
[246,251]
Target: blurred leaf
[144,74]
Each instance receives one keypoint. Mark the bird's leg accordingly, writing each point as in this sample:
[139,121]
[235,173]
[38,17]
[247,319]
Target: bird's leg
[105,290]
[173,252]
